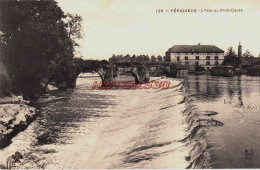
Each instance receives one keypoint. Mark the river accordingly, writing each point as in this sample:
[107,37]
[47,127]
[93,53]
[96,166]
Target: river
[236,144]
[116,128]
[146,128]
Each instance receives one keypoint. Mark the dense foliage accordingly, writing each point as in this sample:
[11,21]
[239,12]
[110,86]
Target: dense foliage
[231,58]
[37,44]
[140,58]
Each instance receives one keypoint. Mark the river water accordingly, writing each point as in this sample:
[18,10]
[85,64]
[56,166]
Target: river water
[236,144]
[117,128]
[146,128]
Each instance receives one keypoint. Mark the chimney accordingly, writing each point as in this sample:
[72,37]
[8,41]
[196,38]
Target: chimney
[198,43]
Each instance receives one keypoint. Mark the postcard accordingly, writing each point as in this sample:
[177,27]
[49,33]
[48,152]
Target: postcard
[129,84]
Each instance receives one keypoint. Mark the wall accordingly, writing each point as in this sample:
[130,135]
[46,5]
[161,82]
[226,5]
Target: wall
[202,58]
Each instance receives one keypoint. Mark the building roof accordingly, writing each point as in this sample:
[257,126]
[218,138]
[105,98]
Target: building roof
[195,49]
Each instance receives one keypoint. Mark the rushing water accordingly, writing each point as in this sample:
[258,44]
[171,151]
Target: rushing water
[237,100]
[207,122]
[85,128]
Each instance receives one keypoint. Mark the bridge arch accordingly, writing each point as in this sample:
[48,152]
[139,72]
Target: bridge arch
[134,75]
[94,71]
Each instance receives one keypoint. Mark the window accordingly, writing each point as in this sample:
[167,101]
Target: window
[197,57]
[207,63]
[186,63]
[208,57]
[186,58]
[216,63]
[197,63]
[216,57]
[178,58]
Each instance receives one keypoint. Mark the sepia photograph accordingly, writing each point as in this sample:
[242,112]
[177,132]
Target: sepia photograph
[129,84]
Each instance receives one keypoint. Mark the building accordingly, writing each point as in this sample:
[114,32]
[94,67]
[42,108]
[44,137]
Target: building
[206,56]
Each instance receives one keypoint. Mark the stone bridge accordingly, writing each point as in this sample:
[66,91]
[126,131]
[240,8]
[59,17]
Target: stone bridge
[140,71]
[109,73]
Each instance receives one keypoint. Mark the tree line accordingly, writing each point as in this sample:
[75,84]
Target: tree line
[138,58]
[37,44]
[231,57]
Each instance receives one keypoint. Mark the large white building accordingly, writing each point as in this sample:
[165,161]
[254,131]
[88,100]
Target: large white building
[206,56]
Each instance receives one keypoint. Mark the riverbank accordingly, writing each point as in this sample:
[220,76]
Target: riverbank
[15,116]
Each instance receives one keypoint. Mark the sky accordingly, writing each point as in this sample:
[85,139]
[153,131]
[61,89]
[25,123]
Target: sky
[134,27]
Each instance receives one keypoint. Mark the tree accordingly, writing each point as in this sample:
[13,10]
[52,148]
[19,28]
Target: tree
[138,58]
[34,39]
[159,58]
[247,54]
[231,58]
[153,59]
[146,58]
[133,59]
[113,58]
[74,28]
[166,58]
[120,58]
[127,58]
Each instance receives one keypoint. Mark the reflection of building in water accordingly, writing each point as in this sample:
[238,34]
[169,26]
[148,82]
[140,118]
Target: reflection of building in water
[212,88]
[206,56]
[239,91]
[205,86]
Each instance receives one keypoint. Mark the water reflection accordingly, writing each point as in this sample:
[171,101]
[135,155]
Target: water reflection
[208,88]
[236,99]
